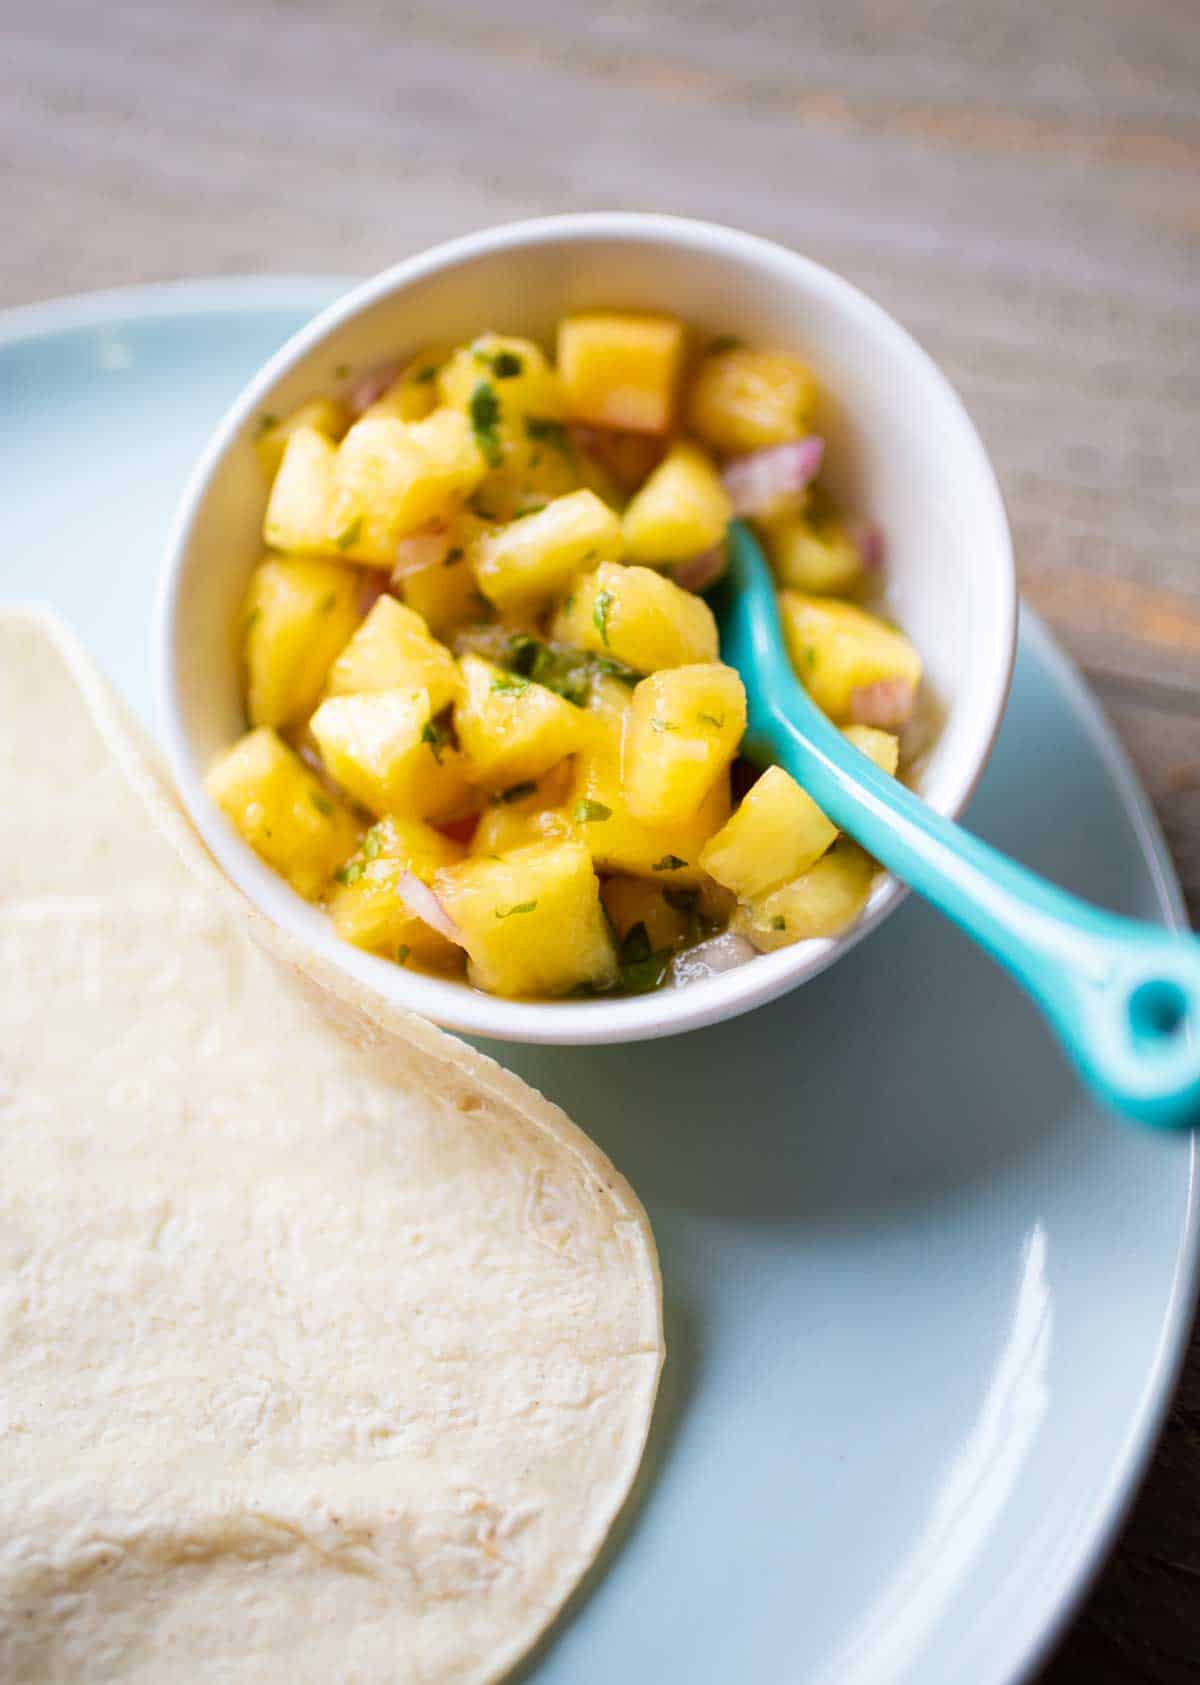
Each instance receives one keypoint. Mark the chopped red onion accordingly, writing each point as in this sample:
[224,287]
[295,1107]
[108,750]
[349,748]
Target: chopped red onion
[867,539]
[764,481]
[369,386]
[699,572]
[427,547]
[423,904]
[371,587]
[709,959]
[887,703]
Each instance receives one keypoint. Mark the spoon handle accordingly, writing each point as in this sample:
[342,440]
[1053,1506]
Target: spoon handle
[1124,996]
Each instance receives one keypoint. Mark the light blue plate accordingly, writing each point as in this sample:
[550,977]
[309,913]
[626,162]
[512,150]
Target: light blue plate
[925,1306]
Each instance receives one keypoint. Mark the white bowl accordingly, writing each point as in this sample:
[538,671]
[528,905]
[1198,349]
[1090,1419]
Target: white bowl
[901,450]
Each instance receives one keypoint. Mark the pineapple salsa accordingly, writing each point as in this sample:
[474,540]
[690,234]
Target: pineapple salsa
[490,731]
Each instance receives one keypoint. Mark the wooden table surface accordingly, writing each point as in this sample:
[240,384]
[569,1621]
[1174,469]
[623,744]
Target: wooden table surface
[1019,184]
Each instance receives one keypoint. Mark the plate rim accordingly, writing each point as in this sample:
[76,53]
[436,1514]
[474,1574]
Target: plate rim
[238,294]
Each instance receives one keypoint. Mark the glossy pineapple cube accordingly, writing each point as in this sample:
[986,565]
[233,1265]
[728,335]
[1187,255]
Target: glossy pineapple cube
[620,370]
[681,511]
[855,666]
[882,747]
[526,812]
[365,902]
[299,516]
[393,650]
[531,921]
[633,901]
[776,834]
[510,392]
[411,396]
[668,854]
[521,566]
[741,399]
[387,751]
[390,477]
[511,729]
[298,613]
[814,553]
[684,728]
[282,810]
[821,902]
[320,415]
[637,617]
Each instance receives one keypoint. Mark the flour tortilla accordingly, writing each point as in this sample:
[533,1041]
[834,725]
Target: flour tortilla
[326,1353]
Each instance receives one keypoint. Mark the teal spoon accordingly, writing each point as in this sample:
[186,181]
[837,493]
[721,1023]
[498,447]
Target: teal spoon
[1124,997]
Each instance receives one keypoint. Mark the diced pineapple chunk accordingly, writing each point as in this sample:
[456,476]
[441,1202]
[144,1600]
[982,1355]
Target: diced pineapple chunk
[882,747]
[517,370]
[512,396]
[685,724]
[390,477]
[814,553]
[620,842]
[297,615]
[526,812]
[282,810]
[511,729]
[299,513]
[387,751]
[843,654]
[741,400]
[633,901]
[681,511]
[531,921]
[828,897]
[620,370]
[392,650]
[522,565]
[639,618]
[322,415]
[365,903]
[777,833]
[411,396]
[446,597]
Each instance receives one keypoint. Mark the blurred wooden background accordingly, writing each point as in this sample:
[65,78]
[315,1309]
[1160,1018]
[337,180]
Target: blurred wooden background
[1019,184]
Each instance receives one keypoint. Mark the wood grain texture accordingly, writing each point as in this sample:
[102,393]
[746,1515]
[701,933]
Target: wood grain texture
[1017,184]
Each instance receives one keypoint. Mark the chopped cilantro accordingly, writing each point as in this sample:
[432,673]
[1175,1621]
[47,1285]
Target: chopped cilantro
[341,372]
[510,684]
[484,410]
[668,863]
[452,556]
[402,953]
[328,603]
[662,725]
[724,342]
[251,618]
[372,845]
[616,670]
[546,431]
[350,535]
[563,670]
[779,922]
[568,603]
[437,736]
[713,720]
[350,873]
[589,812]
[600,613]
[810,655]
[506,365]
[511,912]
[641,968]
[322,803]
[266,421]
[517,792]
[426,374]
